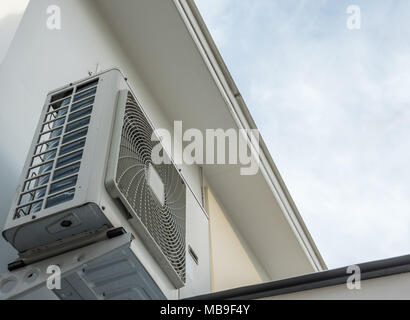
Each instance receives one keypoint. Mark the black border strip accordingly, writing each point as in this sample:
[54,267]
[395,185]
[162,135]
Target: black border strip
[369,270]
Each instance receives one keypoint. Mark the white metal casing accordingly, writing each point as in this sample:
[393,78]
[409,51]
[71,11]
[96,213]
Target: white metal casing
[93,208]
[104,270]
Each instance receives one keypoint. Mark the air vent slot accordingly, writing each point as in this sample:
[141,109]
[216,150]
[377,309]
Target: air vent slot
[193,255]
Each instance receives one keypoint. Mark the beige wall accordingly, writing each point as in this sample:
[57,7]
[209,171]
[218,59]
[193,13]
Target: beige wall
[231,265]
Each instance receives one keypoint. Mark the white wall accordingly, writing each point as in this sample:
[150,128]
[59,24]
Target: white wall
[232,263]
[40,60]
[11,12]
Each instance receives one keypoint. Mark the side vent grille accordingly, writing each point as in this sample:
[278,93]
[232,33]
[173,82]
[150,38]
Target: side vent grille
[53,172]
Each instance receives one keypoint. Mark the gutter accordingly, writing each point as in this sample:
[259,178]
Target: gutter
[189,9]
[369,270]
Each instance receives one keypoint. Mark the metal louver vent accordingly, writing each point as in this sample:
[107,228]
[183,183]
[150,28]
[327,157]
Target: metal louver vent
[54,166]
[153,194]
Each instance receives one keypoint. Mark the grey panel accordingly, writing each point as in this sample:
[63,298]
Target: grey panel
[105,269]
[49,229]
[116,276]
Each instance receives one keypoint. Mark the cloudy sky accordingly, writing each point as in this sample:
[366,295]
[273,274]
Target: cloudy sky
[332,104]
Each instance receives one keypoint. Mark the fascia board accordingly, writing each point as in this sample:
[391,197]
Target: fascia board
[242,117]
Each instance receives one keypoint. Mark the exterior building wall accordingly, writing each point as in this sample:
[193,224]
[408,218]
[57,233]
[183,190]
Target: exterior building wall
[232,264]
[40,60]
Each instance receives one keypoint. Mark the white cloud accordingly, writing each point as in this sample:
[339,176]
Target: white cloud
[334,109]
[218,12]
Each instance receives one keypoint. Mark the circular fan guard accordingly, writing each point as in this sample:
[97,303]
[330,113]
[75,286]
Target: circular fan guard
[165,223]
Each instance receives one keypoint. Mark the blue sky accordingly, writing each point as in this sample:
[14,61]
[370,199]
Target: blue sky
[333,106]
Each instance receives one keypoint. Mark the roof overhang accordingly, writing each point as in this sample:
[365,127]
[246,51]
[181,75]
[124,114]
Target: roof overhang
[176,57]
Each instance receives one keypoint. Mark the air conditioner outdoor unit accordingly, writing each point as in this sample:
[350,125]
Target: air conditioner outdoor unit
[89,169]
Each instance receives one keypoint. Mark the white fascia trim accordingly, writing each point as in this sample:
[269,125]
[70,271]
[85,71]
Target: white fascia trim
[243,119]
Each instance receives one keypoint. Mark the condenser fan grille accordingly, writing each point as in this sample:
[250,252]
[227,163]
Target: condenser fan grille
[162,215]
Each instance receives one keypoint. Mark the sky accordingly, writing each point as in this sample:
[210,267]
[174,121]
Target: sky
[332,105]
